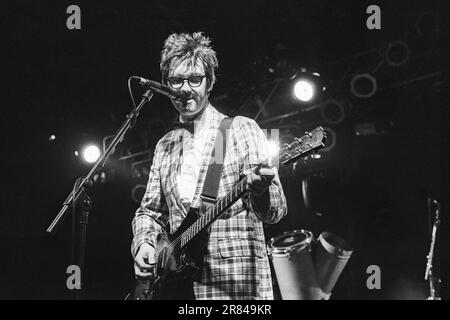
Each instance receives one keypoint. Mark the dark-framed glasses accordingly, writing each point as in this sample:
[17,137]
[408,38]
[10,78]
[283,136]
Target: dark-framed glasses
[178,82]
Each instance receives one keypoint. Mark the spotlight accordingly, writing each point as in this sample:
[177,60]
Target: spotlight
[307,86]
[304,90]
[363,85]
[397,53]
[104,176]
[332,112]
[91,153]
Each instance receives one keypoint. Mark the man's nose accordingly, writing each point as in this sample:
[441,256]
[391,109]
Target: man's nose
[186,87]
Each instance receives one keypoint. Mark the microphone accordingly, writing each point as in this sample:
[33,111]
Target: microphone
[161,88]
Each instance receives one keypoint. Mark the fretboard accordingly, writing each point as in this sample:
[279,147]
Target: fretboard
[214,212]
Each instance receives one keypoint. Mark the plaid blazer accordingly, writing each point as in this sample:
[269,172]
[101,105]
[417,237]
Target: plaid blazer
[236,264]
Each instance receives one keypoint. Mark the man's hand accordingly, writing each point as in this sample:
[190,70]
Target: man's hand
[259,180]
[144,260]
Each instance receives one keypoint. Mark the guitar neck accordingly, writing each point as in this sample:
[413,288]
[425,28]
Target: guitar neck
[214,212]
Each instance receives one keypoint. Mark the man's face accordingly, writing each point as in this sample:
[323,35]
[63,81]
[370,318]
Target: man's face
[199,95]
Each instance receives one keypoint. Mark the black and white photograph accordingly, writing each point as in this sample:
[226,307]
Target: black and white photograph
[224,150]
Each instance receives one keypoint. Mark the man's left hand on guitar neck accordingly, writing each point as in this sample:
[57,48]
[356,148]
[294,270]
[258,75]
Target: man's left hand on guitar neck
[260,179]
[258,183]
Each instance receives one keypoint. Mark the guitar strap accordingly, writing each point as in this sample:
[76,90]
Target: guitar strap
[212,179]
[197,248]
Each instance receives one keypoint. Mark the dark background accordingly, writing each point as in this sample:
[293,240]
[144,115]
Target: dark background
[370,189]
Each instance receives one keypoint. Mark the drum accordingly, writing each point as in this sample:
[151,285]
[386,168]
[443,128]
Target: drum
[331,255]
[290,254]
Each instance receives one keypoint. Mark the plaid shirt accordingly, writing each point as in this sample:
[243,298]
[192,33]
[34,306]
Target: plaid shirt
[236,264]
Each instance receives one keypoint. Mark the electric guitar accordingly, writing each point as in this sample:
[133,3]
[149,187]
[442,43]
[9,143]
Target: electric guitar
[178,257]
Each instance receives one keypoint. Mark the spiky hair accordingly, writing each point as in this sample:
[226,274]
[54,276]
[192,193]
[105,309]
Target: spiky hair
[194,48]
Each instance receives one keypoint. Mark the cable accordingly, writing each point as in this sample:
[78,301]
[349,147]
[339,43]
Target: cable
[131,92]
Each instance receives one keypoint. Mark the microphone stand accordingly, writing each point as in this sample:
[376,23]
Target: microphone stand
[79,198]
[79,237]
[434,281]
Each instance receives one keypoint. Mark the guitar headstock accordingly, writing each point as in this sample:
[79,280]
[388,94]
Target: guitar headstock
[303,146]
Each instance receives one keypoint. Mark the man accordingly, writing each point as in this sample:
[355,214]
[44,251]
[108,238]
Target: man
[235,265]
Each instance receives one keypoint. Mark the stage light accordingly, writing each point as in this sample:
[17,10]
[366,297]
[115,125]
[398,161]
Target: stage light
[397,53]
[104,176]
[363,85]
[91,153]
[307,86]
[138,192]
[304,90]
[332,111]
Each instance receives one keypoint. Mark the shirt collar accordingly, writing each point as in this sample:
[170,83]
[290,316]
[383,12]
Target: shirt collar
[202,122]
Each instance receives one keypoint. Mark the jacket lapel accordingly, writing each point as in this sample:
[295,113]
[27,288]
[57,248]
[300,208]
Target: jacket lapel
[174,163]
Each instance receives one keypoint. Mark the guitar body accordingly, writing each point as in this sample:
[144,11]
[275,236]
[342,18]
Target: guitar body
[177,268]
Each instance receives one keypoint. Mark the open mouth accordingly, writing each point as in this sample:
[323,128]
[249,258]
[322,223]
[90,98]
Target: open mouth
[187,104]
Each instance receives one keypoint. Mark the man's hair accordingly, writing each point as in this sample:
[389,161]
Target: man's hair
[194,48]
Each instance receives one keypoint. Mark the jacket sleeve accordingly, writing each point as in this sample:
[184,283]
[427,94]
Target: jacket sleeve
[152,216]
[253,148]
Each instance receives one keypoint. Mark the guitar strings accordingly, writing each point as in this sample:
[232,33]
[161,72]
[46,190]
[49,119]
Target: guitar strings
[167,251]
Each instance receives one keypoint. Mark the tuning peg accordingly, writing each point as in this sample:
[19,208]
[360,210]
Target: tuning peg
[308,134]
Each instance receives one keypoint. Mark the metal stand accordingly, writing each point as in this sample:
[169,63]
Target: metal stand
[79,197]
[79,234]
[434,281]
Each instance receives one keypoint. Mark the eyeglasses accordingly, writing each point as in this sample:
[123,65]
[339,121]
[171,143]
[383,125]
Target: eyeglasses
[193,81]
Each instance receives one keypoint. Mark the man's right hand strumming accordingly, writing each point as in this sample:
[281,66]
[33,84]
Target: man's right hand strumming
[144,261]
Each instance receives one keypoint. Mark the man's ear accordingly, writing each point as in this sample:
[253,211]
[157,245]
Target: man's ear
[210,88]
